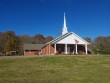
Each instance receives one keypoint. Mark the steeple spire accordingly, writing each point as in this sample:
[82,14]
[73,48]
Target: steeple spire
[64,30]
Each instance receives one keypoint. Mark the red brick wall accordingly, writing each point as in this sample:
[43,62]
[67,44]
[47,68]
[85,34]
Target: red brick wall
[45,50]
[51,49]
[31,52]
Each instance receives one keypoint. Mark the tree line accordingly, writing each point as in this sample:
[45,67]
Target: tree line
[99,45]
[9,41]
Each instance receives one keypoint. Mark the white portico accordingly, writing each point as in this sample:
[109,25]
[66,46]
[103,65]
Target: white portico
[70,43]
[67,43]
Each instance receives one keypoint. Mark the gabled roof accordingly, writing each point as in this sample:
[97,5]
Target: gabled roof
[80,38]
[58,38]
[32,46]
[64,36]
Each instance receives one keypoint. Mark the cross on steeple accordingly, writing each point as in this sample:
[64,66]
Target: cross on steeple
[64,30]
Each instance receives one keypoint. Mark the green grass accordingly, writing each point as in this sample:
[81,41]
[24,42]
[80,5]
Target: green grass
[61,69]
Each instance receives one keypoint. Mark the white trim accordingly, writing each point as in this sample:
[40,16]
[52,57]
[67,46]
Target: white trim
[65,35]
[86,48]
[58,38]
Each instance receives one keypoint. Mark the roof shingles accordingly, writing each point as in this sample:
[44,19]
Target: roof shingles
[32,46]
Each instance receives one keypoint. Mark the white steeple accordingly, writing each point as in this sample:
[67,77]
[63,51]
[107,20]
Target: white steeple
[64,30]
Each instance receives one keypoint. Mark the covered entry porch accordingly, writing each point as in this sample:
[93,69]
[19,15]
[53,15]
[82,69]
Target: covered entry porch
[70,49]
[69,43]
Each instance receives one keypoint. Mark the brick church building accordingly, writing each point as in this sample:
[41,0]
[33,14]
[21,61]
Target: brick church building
[67,43]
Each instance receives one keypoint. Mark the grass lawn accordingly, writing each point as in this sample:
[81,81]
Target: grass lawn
[56,69]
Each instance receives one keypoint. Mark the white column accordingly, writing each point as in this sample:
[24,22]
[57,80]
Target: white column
[76,49]
[65,48]
[86,48]
[54,48]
